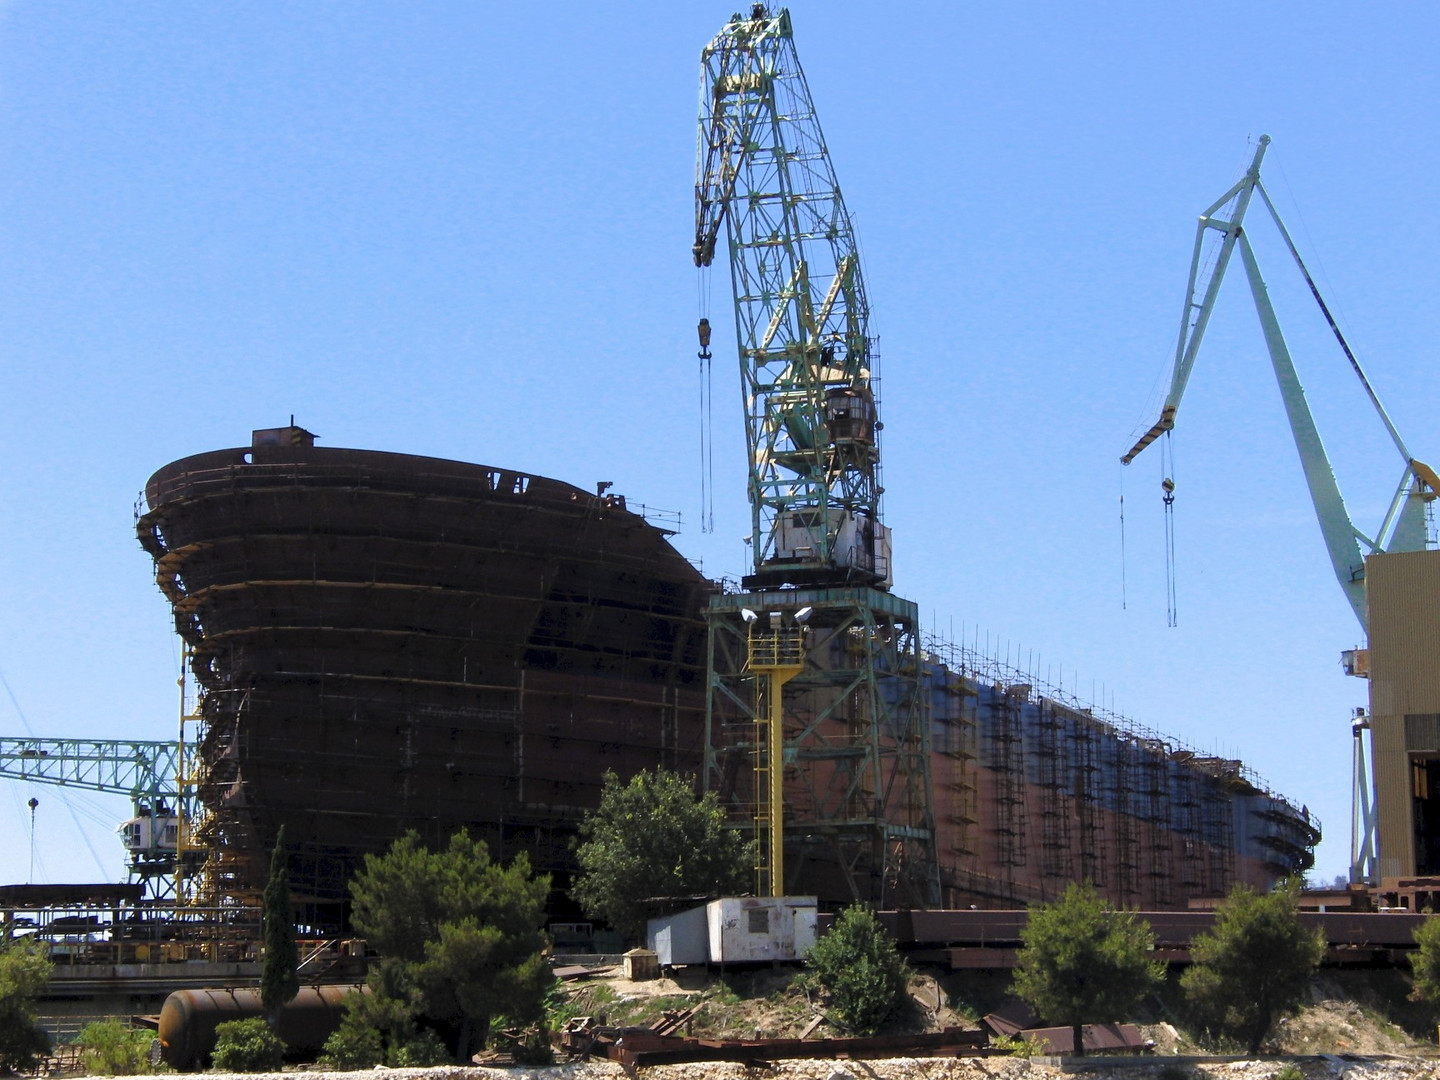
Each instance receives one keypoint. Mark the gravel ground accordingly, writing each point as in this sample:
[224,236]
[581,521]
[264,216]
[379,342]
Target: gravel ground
[1325,1068]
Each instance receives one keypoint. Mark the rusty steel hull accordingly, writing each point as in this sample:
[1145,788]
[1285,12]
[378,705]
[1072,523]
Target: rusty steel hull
[388,642]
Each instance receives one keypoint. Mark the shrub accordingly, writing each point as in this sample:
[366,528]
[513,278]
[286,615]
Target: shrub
[460,939]
[247,1046]
[860,969]
[24,971]
[353,1046]
[1253,965]
[109,1048]
[1016,1046]
[1426,962]
[651,837]
[421,1052]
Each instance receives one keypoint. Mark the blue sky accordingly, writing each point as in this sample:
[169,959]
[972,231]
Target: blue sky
[463,230]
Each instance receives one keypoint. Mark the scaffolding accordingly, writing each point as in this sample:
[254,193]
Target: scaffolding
[953,743]
[384,642]
[1056,803]
[1007,762]
[1155,768]
[1096,797]
[1125,796]
[1085,742]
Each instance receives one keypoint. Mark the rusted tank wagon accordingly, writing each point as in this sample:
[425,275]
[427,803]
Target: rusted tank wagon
[189,1017]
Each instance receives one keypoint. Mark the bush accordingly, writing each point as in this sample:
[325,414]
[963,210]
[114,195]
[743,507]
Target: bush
[1082,962]
[861,970]
[460,940]
[353,1046]
[109,1048]
[247,1046]
[1425,960]
[1016,1046]
[421,1052]
[652,837]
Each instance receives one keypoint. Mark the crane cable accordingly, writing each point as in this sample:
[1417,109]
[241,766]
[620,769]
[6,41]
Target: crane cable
[707,417]
[1167,485]
[64,801]
[1123,605]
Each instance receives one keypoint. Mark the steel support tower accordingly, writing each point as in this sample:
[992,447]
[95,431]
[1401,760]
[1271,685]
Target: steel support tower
[854,745]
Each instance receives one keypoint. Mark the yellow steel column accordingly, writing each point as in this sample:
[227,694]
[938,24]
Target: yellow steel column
[778,654]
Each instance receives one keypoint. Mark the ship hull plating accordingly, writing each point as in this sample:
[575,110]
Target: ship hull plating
[387,642]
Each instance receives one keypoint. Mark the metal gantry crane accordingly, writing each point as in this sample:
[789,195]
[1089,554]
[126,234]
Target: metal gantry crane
[1404,527]
[147,772]
[848,732]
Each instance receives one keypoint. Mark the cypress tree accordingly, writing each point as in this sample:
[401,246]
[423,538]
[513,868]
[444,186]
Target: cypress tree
[279,982]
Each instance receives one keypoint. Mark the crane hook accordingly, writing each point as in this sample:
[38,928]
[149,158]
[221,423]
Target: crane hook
[1169,487]
[704,329]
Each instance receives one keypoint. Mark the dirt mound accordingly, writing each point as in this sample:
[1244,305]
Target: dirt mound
[1342,1027]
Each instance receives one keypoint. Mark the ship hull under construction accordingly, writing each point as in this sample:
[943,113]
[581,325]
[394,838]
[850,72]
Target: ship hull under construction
[1035,789]
[387,642]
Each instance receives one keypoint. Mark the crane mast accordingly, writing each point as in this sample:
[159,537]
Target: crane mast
[815,722]
[801,316]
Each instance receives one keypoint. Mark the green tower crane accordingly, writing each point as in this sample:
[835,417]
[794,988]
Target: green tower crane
[815,723]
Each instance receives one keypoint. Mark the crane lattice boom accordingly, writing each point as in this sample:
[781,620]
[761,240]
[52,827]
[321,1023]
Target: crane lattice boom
[139,769]
[806,358]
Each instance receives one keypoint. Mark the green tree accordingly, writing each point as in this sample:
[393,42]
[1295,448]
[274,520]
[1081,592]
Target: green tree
[460,938]
[650,845]
[858,966]
[279,981]
[1253,965]
[1426,961]
[24,971]
[1082,962]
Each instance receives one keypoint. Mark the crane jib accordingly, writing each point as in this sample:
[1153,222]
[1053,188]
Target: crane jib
[764,176]
[1403,527]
